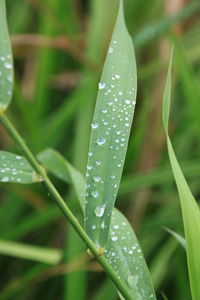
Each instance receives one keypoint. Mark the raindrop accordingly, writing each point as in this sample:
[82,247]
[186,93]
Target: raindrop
[116,227]
[90,153]
[9,78]
[87,185]
[114,42]
[89,167]
[103,224]
[126,124]
[94,125]
[117,76]
[134,102]
[93,226]
[113,176]
[127,101]
[118,132]
[98,162]
[104,111]
[97,178]
[7,65]
[119,165]
[95,193]
[115,99]
[114,238]
[110,50]
[110,103]
[99,210]
[101,85]
[120,93]
[130,251]
[101,141]
[116,140]
[5,179]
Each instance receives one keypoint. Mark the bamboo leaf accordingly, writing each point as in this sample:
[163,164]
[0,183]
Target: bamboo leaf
[123,251]
[110,132]
[6,63]
[190,209]
[16,168]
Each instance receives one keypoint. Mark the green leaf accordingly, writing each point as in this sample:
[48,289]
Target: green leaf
[6,63]
[24,251]
[54,162]
[123,251]
[177,236]
[190,209]
[15,168]
[110,132]
[124,254]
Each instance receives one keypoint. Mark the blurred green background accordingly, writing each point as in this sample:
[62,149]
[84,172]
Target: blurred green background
[59,48]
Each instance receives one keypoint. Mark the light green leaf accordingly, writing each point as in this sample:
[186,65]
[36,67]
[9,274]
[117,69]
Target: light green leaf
[6,63]
[24,251]
[15,168]
[110,132]
[177,236]
[54,162]
[123,251]
[124,254]
[190,209]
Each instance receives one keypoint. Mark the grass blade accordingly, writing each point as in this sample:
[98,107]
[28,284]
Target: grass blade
[110,132]
[16,168]
[24,251]
[190,209]
[123,251]
[177,236]
[6,64]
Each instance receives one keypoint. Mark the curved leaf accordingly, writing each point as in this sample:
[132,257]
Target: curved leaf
[6,64]
[190,208]
[110,132]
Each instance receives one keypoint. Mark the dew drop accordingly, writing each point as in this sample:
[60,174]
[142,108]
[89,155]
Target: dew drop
[116,227]
[93,226]
[5,179]
[101,141]
[110,50]
[9,78]
[94,125]
[97,178]
[99,210]
[117,76]
[126,124]
[7,65]
[113,176]
[89,167]
[87,185]
[127,101]
[101,85]
[134,102]
[120,93]
[90,153]
[98,162]
[95,193]
[118,132]
[114,238]
[104,111]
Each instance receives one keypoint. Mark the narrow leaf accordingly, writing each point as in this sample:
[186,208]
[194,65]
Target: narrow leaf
[190,209]
[123,251]
[110,132]
[24,251]
[15,168]
[6,64]
[62,169]
[177,236]
[124,254]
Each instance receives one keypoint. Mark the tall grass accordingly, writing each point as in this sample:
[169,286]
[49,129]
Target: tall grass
[59,50]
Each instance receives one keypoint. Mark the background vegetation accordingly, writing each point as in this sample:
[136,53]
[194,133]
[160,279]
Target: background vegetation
[59,48]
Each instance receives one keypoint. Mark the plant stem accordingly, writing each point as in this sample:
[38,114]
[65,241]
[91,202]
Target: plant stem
[63,207]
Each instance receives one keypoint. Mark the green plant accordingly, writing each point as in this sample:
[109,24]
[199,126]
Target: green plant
[108,235]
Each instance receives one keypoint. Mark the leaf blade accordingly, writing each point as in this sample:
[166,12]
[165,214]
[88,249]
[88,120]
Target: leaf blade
[6,63]
[190,209]
[16,168]
[110,132]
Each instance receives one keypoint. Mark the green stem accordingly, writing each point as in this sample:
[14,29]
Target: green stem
[64,208]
